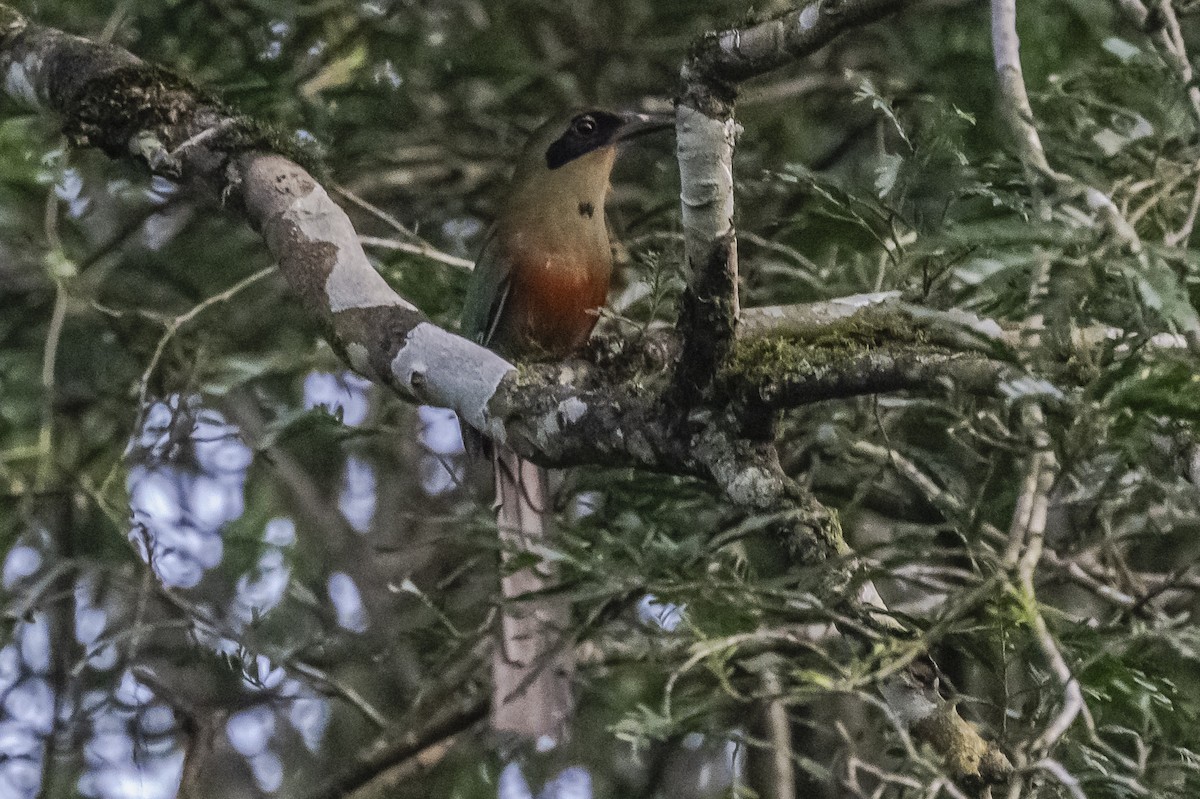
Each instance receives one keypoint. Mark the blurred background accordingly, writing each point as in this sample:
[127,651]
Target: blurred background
[231,565]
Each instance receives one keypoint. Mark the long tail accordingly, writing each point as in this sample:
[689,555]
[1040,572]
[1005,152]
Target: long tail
[531,664]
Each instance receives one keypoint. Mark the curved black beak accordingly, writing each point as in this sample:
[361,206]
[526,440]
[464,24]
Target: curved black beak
[634,125]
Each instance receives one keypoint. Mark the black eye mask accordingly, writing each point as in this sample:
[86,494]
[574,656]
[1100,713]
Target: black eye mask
[577,141]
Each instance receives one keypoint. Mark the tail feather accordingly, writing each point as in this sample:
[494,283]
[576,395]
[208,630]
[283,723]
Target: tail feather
[531,667]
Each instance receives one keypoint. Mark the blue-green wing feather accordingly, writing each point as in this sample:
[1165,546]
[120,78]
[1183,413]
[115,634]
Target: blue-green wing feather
[487,292]
[482,309]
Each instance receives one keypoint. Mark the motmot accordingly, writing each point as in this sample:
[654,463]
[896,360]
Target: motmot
[541,278]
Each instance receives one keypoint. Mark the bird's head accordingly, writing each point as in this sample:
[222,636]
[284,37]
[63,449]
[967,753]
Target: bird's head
[576,154]
[592,133]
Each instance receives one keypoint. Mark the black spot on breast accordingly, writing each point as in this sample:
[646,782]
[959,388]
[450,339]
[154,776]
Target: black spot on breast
[587,209]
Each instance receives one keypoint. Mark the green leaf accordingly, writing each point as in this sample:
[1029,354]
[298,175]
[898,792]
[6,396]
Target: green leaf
[1122,49]
[886,173]
[1162,292]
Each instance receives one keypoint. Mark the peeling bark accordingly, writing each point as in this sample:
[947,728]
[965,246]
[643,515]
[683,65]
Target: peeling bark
[704,420]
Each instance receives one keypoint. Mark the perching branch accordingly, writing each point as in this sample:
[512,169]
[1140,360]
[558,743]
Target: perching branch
[620,413]
[706,134]
[110,99]
[556,414]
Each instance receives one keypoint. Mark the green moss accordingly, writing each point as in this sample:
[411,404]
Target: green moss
[804,349]
[112,107]
[253,134]
[116,106]
[527,373]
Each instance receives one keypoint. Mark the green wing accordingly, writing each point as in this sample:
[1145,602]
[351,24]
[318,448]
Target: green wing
[486,295]
[487,292]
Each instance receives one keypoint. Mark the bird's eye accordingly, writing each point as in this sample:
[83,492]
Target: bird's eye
[584,125]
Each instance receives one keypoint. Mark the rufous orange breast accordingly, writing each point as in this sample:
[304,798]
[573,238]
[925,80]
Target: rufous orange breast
[554,301]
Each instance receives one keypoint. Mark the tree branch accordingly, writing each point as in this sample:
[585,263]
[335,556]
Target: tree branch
[368,767]
[706,135]
[1006,48]
[556,414]
[741,53]
[626,413]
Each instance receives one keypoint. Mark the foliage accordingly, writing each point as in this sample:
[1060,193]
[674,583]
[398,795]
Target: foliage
[879,164]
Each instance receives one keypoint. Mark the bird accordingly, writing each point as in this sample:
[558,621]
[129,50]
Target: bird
[539,282]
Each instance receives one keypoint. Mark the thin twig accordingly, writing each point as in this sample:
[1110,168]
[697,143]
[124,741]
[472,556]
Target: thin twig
[779,731]
[338,688]
[1083,577]
[1018,113]
[205,622]
[423,250]
[1179,238]
[378,760]
[50,351]
[1029,524]
[415,244]
[174,326]
[1064,777]
[1171,36]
